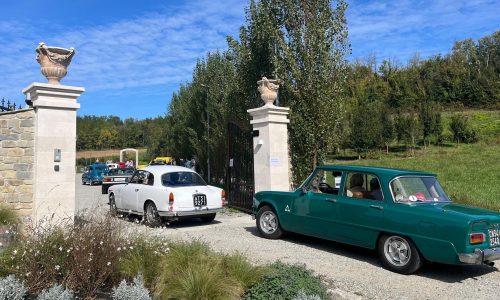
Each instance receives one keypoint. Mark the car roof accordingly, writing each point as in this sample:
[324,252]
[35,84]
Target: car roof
[376,170]
[162,169]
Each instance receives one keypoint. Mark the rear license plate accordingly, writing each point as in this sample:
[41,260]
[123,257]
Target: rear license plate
[119,179]
[494,237]
[199,200]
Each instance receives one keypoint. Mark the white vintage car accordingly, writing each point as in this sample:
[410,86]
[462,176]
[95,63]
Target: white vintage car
[168,192]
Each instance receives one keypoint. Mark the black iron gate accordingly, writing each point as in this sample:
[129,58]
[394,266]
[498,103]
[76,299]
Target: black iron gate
[239,180]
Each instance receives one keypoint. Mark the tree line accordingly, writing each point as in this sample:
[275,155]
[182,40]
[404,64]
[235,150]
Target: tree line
[110,132]
[334,104]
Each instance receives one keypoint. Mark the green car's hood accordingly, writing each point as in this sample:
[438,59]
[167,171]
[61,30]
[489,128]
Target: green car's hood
[459,210]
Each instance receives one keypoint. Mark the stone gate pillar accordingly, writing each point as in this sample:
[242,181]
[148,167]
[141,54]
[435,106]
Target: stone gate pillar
[55,149]
[55,108]
[270,141]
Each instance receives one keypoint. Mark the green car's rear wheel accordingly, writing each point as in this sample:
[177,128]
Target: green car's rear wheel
[399,254]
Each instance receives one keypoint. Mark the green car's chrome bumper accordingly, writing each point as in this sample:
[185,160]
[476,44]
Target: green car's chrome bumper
[479,256]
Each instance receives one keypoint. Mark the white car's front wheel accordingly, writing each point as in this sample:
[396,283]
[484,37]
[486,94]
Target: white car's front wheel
[151,215]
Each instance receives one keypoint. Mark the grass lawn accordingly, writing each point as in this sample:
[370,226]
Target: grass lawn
[470,173]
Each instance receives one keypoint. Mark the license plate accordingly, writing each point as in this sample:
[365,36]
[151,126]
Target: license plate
[119,179]
[199,200]
[494,237]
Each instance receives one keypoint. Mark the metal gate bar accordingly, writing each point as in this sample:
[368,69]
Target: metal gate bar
[240,176]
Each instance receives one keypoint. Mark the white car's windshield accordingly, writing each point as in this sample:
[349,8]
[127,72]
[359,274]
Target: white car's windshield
[182,179]
[418,189]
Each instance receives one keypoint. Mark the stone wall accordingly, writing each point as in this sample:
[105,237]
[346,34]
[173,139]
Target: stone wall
[16,159]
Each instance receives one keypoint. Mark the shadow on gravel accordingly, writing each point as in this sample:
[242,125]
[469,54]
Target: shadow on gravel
[453,273]
[436,271]
[182,223]
[353,252]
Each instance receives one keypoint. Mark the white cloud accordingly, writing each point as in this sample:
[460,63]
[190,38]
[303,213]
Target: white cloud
[157,48]
[401,28]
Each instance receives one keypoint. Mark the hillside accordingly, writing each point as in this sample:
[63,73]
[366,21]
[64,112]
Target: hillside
[468,172]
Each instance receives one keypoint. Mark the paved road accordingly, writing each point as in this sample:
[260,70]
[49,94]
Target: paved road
[351,272]
[89,198]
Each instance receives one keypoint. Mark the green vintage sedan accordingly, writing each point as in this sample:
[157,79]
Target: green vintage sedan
[405,215]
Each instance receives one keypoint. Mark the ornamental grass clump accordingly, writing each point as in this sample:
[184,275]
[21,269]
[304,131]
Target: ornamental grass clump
[188,270]
[142,256]
[193,271]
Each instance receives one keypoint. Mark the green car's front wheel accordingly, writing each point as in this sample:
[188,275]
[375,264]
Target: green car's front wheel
[399,254]
[268,223]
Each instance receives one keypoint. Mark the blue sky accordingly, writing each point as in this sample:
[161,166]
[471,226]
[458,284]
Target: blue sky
[132,55]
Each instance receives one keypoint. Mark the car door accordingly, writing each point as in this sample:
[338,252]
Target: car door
[360,209]
[129,193]
[313,211]
[145,191]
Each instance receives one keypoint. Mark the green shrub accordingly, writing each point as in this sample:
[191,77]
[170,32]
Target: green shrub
[462,130]
[82,257]
[284,281]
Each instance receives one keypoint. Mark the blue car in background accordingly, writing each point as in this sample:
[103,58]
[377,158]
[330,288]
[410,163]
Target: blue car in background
[94,174]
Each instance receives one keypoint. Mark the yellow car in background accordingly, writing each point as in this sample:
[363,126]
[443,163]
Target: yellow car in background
[159,160]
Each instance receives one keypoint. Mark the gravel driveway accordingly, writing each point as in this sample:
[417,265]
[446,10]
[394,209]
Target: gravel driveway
[351,272]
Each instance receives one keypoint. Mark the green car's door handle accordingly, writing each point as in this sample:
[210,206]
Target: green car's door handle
[377,207]
[332,200]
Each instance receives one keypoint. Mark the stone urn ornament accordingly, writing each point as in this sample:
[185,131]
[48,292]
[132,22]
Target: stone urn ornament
[54,61]
[268,89]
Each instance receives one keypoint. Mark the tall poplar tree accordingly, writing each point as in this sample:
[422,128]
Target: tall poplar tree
[303,44]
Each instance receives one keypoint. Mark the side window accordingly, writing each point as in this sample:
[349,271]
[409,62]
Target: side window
[363,186]
[325,181]
[148,178]
[332,180]
[138,177]
[317,178]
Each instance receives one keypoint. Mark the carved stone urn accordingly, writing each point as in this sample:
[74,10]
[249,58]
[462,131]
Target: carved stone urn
[54,61]
[268,90]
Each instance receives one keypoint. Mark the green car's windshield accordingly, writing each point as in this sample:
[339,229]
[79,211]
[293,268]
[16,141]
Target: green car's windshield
[418,189]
